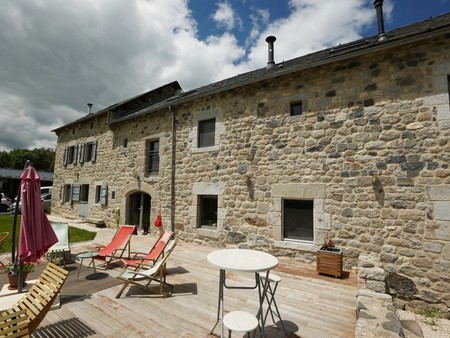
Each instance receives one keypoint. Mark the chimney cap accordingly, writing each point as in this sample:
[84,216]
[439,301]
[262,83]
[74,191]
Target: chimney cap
[271,39]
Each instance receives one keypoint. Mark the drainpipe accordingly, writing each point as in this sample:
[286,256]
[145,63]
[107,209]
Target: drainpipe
[172,175]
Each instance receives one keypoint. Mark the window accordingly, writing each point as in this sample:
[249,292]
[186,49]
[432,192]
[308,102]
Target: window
[70,155]
[153,157]
[207,211]
[88,152]
[296,108]
[101,194]
[97,193]
[84,193]
[298,219]
[67,193]
[125,143]
[206,133]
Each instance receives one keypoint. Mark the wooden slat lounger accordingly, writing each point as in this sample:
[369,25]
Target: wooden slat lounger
[35,303]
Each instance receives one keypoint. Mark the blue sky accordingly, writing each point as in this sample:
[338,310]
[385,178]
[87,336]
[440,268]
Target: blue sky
[56,56]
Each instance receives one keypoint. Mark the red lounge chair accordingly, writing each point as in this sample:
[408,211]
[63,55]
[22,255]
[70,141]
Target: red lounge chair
[116,248]
[141,258]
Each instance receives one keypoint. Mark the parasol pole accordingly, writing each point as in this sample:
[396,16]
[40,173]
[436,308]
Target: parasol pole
[15,257]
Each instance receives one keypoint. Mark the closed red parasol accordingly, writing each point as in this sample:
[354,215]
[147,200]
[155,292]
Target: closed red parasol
[36,233]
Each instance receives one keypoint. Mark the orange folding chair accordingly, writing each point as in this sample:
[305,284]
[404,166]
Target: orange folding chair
[3,236]
[118,245]
[157,251]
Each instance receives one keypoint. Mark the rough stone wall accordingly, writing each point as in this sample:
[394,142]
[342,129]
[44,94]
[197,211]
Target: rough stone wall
[122,169]
[371,149]
[374,132]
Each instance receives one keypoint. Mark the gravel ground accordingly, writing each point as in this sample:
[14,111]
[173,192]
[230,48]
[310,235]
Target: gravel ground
[431,327]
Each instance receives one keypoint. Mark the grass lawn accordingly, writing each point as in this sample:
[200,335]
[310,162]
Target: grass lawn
[6,222]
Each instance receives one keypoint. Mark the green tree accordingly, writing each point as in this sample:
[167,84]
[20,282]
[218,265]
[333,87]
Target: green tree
[5,159]
[43,159]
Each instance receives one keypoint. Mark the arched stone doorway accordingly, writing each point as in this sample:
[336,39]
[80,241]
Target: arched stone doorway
[138,212]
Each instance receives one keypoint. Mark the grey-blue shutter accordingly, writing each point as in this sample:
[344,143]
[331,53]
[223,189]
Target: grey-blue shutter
[75,154]
[76,192]
[82,150]
[94,151]
[66,153]
[104,195]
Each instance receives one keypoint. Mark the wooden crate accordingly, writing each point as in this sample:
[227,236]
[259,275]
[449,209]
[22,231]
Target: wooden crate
[330,262]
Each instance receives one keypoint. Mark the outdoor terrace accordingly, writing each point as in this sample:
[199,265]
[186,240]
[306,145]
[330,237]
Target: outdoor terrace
[310,305]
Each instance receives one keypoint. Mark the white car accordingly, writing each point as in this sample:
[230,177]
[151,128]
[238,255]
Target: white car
[5,203]
[46,204]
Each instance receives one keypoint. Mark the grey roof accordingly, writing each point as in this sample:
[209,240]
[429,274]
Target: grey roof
[404,35]
[16,173]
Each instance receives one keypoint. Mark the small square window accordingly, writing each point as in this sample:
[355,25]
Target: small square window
[298,219]
[206,133]
[296,108]
[207,211]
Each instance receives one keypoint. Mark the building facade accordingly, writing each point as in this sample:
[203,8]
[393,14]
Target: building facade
[350,143]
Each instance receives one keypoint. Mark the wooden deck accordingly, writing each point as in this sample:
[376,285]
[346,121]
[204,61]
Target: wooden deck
[310,305]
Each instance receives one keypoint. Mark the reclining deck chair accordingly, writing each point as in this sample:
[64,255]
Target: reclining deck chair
[143,277]
[62,247]
[116,248]
[35,303]
[140,258]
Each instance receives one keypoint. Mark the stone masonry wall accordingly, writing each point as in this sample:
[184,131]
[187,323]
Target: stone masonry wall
[374,133]
[371,149]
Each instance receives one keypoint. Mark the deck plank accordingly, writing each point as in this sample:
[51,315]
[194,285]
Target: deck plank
[311,305]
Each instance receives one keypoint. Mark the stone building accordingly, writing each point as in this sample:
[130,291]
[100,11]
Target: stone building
[350,143]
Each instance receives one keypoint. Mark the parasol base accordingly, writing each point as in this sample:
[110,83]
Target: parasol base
[16,287]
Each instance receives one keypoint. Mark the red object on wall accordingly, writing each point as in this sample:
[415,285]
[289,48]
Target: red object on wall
[158,221]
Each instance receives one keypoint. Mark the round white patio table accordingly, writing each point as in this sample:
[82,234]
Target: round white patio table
[242,260]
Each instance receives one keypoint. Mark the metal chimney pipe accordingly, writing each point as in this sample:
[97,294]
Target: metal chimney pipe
[89,107]
[270,40]
[379,7]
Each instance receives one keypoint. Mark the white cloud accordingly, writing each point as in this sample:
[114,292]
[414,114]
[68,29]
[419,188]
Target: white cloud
[313,25]
[71,52]
[226,17]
